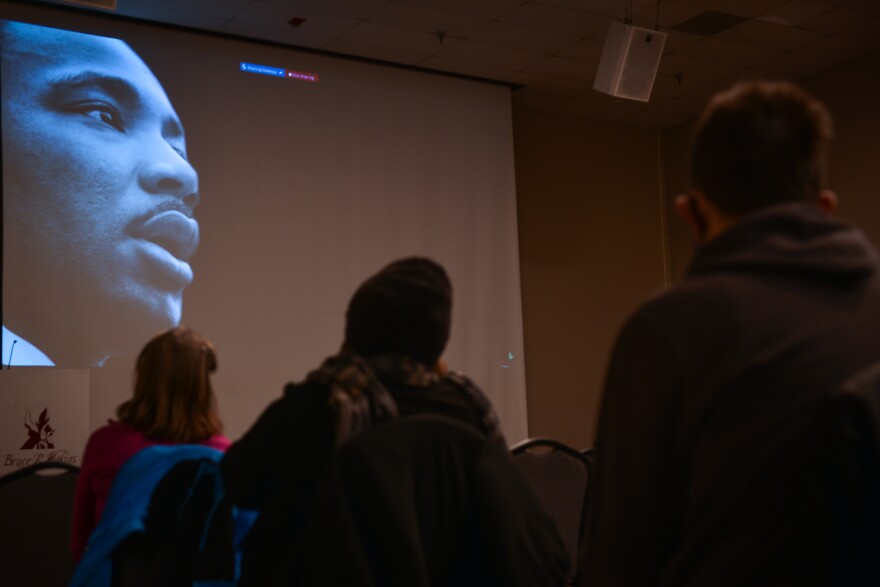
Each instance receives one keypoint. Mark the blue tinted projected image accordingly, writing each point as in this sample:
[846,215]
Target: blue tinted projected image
[98,197]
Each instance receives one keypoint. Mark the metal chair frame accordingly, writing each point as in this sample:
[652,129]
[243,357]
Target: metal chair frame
[585,458]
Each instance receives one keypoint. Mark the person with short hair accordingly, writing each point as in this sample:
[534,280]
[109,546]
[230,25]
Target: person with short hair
[173,403]
[707,437]
[98,199]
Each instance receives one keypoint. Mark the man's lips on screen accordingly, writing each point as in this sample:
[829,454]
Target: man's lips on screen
[171,230]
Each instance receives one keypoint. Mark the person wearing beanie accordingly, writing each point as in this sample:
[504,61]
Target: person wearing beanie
[405,309]
[396,327]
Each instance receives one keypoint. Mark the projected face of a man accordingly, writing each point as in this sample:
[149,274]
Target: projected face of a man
[99,196]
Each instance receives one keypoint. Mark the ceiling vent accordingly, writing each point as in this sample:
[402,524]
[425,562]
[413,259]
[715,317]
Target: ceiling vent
[103,4]
[709,23]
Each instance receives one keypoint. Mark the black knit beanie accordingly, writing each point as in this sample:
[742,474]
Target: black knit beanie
[405,309]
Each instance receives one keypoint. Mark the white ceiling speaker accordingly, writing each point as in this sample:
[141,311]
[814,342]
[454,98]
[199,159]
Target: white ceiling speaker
[629,61]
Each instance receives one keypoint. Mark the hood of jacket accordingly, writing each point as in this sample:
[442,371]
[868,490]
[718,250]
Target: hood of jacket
[796,240]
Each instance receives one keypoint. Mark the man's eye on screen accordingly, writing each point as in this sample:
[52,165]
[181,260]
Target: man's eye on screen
[100,112]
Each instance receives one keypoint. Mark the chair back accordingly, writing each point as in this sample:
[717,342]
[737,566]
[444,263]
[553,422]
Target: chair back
[851,466]
[190,532]
[560,475]
[427,501]
[123,550]
[35,531]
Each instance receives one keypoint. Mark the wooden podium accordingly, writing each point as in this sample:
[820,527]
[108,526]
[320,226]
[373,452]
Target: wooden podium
[44,416]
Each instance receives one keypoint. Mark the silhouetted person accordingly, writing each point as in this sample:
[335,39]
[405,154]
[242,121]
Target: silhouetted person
[390,367]
[707,442]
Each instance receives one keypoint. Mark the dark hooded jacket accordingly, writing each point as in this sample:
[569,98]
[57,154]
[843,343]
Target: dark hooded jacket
[708,431]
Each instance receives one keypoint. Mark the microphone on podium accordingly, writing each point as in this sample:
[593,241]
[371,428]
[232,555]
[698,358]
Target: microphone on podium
[11,348]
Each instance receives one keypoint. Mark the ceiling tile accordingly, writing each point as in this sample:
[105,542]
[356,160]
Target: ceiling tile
[796,12]
[269,15]
[396,38]
[616,9]
[769,35]
[793,66]
[373,52]
[866,6]
[492,9]
[586,50]
[428,20]
[727,53]
[488,55]
[666,88]
[834,21]
[357,9]
[753,74]
[836,49]
[515,37]
[709,23]
[288,36]
[702,94]
[675,41]
[747,8]
[868,31]
[556,20]
[694,69]
[671,14]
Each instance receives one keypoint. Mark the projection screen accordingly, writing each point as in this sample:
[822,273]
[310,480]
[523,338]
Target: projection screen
[155,175]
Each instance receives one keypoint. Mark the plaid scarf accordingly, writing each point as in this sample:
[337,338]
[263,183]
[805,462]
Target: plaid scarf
[360,399]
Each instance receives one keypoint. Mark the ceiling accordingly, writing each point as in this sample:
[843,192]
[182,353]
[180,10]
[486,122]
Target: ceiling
[552,48]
